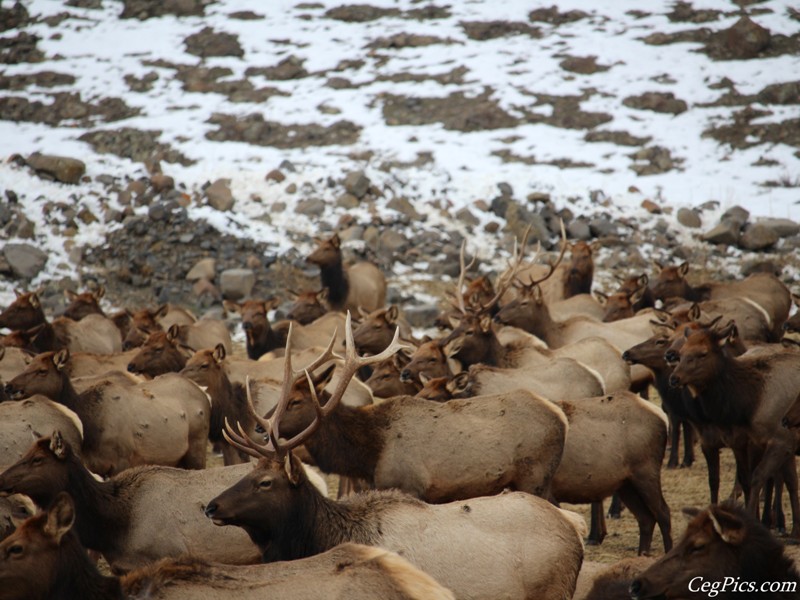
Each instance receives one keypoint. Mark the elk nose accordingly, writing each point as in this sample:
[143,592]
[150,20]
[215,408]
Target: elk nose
[626,356]
[247,325]
[9,389]
[127,345]
[211,509]
[131,368]
[635,588]
[672,356]
[785,422]
[405,375]
[674,381]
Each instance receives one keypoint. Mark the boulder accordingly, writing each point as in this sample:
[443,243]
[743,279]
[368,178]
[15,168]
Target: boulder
[236,284]
[25,261]
[60,168]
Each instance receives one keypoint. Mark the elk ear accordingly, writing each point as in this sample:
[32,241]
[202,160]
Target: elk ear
[683,269]
[729,526]
[694,312]
[60,517]
[691,511]
[601,298]
[392,314]
[100,292]
[173,332]
[57,445]
[18,293]
[323,379]
[424,379]
[60,358]
[658,266]
[335,241]
[231,306]
[536,294]
[70,295]
[34,301]
[637,294]
[219,353]
[292,466]
[322,295]
[458,384]
[486,323]
[643,280]
[161,311]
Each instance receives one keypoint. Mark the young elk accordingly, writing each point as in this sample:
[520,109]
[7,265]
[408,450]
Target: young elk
[45,560]
[514,439]
[359,285]
[725,553]
[308,306]
[513,545]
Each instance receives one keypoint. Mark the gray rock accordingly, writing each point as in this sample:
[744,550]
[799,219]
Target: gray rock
[579,230]
[205,268]
[602,227]
[735,214]
[347,200]
[465,216]
[421,316]
[726,232]
[208,42]
[783,227]
[392,242]
[313,207]
[689,218]
[518,218]
[236,284]
[219,195]
[404,207]
[499,206]
[357,183]
[25,261]
[758,237]
[505,189]
[60,168]
[352,233]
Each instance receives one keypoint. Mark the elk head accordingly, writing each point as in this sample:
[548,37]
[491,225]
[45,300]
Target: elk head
[25,312]
[205,367]
[45,375]
[581,270]
[85,303]
[141,324]
[30,557]
[255,323]
[442,389]
[327,253]
[308,306]
[619,305]
[385,378]
[374,333]
[159,354]
[42,472]
[671,282]
[701,357]
[428,359]
[471,341]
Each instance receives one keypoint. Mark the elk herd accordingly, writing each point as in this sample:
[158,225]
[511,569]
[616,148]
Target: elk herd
[454,453]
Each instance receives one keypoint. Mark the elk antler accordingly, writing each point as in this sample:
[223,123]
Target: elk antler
[552,266]
[461,276]
[514,263]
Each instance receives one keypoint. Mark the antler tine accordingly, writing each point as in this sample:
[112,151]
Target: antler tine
[514,263]
[251,408]
[322,358]
[553,266]
[242,442]
[461,277]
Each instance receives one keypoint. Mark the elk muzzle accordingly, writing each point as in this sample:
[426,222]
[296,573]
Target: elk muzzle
[13,392]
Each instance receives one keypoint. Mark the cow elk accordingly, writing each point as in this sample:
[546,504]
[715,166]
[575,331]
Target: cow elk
[84,304]
[726,553]
[308,306]
[512,545]
[359,285]
[163,421]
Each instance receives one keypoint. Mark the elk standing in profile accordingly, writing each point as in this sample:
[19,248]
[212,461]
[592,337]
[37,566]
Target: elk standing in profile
[359,285]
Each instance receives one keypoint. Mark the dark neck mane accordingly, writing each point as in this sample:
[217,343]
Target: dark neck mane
[350,440]
[78,577]
[731,398]
[81,404]
[335,279]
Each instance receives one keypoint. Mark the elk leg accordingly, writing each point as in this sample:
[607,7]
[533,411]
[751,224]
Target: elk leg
[688,444]
[648,487]
[743,472]
[615,509]
[597,529]
[777,504]
[711,454]
[769,516]
[789,472]
[647,523]
[776,453]
[674,440]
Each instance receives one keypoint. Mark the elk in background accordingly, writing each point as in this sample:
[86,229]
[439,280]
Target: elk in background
[308,306]
[360,285]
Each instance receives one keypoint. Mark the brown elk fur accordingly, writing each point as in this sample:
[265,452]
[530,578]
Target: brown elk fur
[720,542]
[164,421]
[361,285]
[385,380]
[83,304]
[513,545]
[376,329]
[308,306]
[161,353]
[139,515]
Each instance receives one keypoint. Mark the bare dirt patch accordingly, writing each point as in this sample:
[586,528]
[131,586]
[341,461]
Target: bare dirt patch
[456,111]
[135,144]
[253,129]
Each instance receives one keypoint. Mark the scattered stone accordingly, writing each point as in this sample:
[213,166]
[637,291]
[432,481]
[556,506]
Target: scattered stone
[663,102]
[540,197]
[253,129]
[356,183]
[657,160]
[491,30]
[206,292]
[758,236]
[347,201]
[689,218]
[24,261]
[761,266]
[554,17]
[134,144]
[579,230]
[518,218]
[205,268]
[492,227]
[782,227]
[236,284]
[746,39]
[291,188]
[20,49]
[736,215]
[141,84]
[404,207]
[456,112]
[421,316]
[312,207]
[60,168]
[64,106]
[147,9]
[360,13]
[465,216]
[276,175]
[351,234]
[393,242]
[651,207]
[407,40]
[726,232]
[289,68]
[45,79]
[219,195]
[208,43]
[14,17]
[603,227]
[162,183]
[585,65]
[621,138]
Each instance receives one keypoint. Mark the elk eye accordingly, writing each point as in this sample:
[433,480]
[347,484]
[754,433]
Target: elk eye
[37,461]
[15,550]
[266,484]
[661,342]
[697,548]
